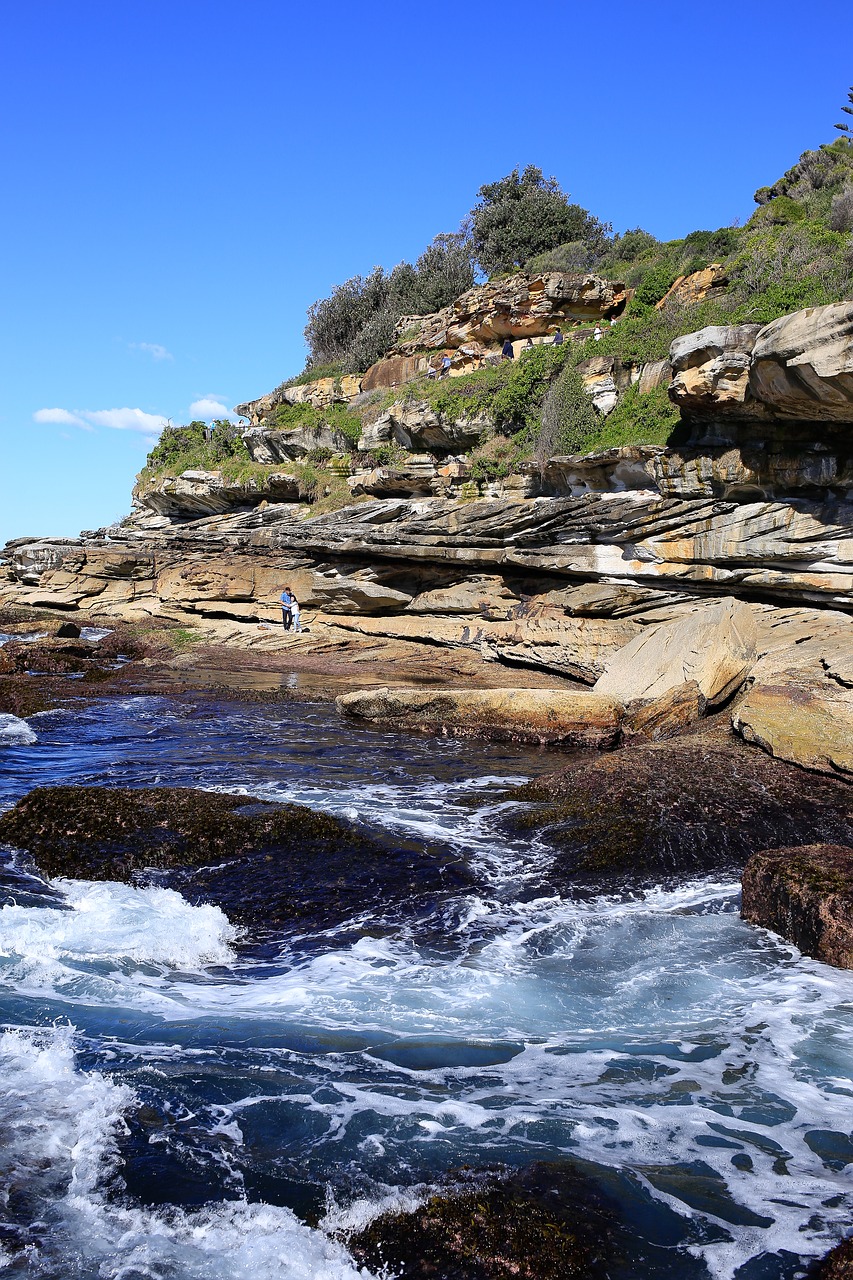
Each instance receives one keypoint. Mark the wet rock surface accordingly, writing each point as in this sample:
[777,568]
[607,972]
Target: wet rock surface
[837,1265]
[698,802]
[264,864]
[805,894]
[544,1224]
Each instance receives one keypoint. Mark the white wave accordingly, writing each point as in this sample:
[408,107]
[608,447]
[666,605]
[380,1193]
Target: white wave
[116,921]
[15,732]
[61,1131]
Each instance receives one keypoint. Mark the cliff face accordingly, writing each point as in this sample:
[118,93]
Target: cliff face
[558,568]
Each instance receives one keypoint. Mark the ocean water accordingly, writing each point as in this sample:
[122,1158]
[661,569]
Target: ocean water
[178,1102]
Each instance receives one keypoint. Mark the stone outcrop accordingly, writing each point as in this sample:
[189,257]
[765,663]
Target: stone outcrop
[319,394]
[797,369]
[201,493]
[517,306]
[805,894]
[417,427]
[686,291]
[269,446]
[713,649]
[520,715]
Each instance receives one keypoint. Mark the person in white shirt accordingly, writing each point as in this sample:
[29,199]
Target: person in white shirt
[294,613]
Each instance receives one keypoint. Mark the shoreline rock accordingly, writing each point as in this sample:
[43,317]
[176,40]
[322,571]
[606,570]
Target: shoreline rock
[805,894]
[542,716]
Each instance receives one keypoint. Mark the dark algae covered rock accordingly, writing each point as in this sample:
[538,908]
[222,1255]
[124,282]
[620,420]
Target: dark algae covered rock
[837,1265]
[547,1223]
[699,802]
[805,894]
[263,863]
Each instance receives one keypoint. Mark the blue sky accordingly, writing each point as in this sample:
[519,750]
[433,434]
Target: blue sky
[182,178]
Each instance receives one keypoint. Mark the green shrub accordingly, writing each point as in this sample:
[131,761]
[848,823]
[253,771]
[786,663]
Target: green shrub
[196,446]
[287,417]
[637,419]
[499,457]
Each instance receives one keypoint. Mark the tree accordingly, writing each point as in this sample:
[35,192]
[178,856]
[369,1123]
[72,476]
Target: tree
[355,325]
[525,214]
[846,128]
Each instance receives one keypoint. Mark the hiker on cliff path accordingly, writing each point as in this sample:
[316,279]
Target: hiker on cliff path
[558,338]
[286,598]
[507,352]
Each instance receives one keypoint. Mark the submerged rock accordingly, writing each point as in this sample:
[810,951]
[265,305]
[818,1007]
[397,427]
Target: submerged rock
[805,894]
[699,802]
[265,864]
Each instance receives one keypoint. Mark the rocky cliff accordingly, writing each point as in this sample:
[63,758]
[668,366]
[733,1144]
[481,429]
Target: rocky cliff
[557,567]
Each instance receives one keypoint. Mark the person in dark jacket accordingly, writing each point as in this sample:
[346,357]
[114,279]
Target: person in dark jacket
[286,598]
[558,338]
[507,352]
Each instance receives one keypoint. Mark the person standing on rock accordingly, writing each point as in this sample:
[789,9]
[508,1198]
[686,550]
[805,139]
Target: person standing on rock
[445,366]
[294,613]
[507,352]
[286,598]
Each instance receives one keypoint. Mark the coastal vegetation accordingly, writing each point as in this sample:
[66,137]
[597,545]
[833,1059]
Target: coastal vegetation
[795,251]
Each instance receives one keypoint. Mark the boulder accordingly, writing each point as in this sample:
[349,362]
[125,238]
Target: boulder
[837,1265]
[802,715]
[518,715]
[805,894]
[696,287]
[711,370]
[269,446]
[700,801]
[414,476]
[802,364]
[714,647]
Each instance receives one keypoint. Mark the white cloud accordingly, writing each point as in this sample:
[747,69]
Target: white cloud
[62,417]
[153,349]
[150,424]
[127,420]
[209,408]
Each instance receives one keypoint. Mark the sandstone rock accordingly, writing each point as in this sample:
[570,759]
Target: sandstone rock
[711,370]
[393,371]
[518,715]
[805,894]
[200,493]
[270,446]
[696,287]
[714,648]
[518,306]
[415,476]
[320,394]
[802,364]
[665,715]
[605,378]
[803,717]
[611,470]
[419,428]
[657,373]
[339,594]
